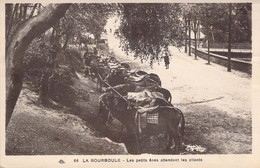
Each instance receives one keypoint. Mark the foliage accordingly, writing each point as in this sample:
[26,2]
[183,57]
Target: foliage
[36,64]
[84,19]
[214,17]
[71,57]
[95,16]
[148,29]
[60,89]
[242,22]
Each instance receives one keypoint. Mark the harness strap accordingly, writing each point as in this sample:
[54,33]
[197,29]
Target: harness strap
[112,88]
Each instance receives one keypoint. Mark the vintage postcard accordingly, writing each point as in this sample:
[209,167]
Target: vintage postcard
[130,83]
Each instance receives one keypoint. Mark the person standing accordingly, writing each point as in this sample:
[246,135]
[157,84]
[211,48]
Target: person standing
[166,60]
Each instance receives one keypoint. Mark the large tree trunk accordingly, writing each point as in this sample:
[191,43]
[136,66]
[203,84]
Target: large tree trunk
[18,45]
[9,24]
[8,16]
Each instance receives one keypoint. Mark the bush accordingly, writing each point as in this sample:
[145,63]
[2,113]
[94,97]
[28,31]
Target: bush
[71,57]
[60,89]
[35,62]
[60,79]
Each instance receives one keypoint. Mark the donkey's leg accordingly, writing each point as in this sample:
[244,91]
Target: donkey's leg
[132,139]
[177,138]
[137,139]
[120,133]
[170,134]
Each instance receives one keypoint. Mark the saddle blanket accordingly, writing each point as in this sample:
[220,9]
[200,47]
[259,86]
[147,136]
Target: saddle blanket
[142,119]
[152,118]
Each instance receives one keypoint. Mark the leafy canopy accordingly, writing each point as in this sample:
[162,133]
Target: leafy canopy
[90,18]
[148,29]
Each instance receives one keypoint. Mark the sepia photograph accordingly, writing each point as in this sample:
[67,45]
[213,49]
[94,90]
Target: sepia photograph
[161,83]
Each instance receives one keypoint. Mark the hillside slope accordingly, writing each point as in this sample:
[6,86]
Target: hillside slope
[58,130]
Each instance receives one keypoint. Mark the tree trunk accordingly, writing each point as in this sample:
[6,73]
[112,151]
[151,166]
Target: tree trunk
[16,13]
[57,33]
[186,29]
[198,35]
[229,36]
[18,45]
[32,12]
[52,36]
[25,11]
[8,16]
[21,11]
[44,89]
[39,8]
[10,24]
[189,36]
[66,41]
[195,45]
[208,36]
[208,47]
[195,30]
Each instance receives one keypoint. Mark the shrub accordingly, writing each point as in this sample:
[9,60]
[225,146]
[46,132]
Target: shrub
[35,62]
[60,89]
[71,57]
[60,79]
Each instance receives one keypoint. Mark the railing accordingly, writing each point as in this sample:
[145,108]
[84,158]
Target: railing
[225,45]
[236,64]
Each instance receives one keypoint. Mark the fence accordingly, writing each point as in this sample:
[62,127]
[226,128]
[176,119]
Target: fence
[240,65]
[225,45]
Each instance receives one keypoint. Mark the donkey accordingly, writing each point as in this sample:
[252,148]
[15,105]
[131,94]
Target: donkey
[169,119]
[111,106]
